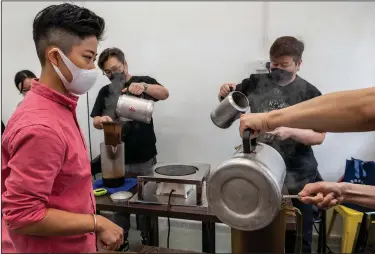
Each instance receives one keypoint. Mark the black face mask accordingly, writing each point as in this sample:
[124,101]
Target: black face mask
[118,76]
[280,76]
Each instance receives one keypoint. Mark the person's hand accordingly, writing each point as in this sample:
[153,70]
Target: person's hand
[110,236]
[104,119]
[281,133]
[135,88]
[225,89]
[256,122]
[328,194]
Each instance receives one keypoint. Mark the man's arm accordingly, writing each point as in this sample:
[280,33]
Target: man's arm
[307,137]
[32,174]
[157,91]
[347,111]
[246,87]
[359,194]
[329,194]
[150,87]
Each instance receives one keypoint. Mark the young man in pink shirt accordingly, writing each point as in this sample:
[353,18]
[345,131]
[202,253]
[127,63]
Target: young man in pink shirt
[47,197]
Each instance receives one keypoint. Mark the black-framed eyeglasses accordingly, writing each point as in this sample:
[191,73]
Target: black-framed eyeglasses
[114,69]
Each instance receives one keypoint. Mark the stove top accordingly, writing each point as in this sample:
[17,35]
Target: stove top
[176,170]
[174,179]
[178,173]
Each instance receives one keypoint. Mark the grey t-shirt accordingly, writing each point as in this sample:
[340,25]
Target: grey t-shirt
[265,95]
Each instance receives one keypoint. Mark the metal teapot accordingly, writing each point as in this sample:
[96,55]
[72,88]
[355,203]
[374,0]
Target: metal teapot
[130,107]
[229,109]
[245,192]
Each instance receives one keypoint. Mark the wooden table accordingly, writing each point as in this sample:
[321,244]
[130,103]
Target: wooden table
[151,249]
[207,217]
[153,212]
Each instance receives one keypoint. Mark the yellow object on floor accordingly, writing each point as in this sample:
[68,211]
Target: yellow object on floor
[351,219]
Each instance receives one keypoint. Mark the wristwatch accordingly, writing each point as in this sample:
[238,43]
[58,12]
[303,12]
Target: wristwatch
[145,86]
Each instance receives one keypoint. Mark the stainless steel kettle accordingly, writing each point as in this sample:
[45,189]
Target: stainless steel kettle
[245,192]
[229,109]
[134,108]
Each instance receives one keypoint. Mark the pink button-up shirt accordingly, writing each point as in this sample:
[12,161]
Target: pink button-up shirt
[44,165]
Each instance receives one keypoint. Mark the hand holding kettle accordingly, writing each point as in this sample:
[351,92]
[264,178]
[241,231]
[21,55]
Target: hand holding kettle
[254,121]
[135,88]
[225,89]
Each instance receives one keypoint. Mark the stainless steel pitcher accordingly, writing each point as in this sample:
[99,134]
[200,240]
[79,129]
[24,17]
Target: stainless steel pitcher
[230,109]
[134,108]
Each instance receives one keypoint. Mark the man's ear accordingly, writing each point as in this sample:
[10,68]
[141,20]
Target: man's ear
[299,63]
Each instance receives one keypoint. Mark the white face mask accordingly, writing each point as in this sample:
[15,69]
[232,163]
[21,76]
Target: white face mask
[82,80]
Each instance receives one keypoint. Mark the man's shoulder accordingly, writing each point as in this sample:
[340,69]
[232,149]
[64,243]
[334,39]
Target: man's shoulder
[104,89]
[310,89]
[145,79]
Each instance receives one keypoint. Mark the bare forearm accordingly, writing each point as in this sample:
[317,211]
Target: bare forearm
[307,137]
[359,194]
[60,223]
[348,111]
[157,91]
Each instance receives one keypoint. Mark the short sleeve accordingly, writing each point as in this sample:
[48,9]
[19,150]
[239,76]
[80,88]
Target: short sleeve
[36,157]
[149,80]
[247,85]
[312,92]
[99,104]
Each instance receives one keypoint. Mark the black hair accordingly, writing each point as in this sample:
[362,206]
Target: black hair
[110,52]
[287,46]
[63,26]
[21,76]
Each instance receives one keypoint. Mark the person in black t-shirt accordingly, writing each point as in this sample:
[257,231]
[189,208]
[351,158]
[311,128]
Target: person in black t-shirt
[280,88]
[139,138]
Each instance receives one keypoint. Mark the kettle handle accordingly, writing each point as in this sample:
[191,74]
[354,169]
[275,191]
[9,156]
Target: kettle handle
[230,89]
[248,144]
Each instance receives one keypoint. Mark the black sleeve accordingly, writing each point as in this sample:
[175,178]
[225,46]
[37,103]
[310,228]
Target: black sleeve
[312,92]
[248,85]
[149,80]
[99,105]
